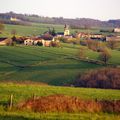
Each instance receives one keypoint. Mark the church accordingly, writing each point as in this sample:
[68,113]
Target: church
[66,32]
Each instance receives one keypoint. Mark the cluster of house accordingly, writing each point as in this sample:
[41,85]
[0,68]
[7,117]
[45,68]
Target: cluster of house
[46,38]
[91,36]
[100,37]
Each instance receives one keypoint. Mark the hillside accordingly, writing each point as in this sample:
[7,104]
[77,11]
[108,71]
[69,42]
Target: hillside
[39,28]
[78,22]
[24,91]
[54,66]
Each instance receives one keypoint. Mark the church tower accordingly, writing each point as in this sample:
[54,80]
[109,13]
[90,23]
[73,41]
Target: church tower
[66,30]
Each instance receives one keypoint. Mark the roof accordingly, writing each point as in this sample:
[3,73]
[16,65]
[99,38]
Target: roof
[60,33]
[47,37]
[2,39]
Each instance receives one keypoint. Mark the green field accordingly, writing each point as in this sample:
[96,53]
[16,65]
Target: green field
[34,29]
[24,91]
[39,28]
[55,66]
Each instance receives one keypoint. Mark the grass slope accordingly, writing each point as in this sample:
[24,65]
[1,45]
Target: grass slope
[24,91]
[34,29]
[39,28]
[54,66]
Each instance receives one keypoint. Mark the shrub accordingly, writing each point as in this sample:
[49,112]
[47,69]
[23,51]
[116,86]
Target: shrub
[105,55]
[108,78]
[63,103]
[55,44]
[39,43]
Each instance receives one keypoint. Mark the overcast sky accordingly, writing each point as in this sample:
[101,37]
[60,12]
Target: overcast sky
[97,9]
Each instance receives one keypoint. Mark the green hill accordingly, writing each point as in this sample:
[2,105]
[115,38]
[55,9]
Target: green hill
[24,91]
[39,28]
[55,66]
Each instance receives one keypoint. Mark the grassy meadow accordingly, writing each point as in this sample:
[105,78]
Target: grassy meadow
[24,91]
[39,28]
[33,29]
[54,66]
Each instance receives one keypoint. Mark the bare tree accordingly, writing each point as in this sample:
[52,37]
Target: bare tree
[112,43]
[2,27]
[105,55]
[14,32]
[81,53]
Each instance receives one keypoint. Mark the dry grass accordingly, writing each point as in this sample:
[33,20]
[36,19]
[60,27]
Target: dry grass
[62,103]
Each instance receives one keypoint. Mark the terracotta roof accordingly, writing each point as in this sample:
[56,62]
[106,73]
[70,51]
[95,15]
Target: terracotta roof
[2,39]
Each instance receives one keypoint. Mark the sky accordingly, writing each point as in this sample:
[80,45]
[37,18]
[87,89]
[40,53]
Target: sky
[95,9]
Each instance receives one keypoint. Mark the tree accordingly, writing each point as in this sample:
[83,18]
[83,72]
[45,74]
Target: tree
[14,32]
[81,53]
[14,39]
[39,43]
[53,33]
[105,55]
[112,43]
[1,27]
[55,44]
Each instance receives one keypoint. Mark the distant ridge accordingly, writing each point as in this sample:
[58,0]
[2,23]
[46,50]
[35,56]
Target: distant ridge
[78,22]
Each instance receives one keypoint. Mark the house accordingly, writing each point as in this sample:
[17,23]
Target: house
[59,34]
[47,39]
[82,35]
[29,42]
[97,37]
[113,37]
[14,19]
[5,41]
[117,30]
[38,40]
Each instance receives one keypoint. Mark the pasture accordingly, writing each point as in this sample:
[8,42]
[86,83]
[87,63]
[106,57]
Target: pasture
[39,28]
[54,66]
[24,91]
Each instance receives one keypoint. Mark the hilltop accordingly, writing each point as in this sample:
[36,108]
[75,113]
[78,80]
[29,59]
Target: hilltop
[74,23]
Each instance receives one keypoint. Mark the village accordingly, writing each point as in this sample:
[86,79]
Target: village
[51,38]
[60,60]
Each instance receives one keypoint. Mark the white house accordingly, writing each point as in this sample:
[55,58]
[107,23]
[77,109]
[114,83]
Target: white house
[117,30]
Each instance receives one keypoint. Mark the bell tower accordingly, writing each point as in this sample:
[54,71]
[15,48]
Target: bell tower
[66,30]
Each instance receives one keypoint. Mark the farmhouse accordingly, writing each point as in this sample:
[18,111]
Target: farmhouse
[60,34]
[113,38]
[47,39]
[29,42]
[117,30]
[5,41]
[14,19]
[98,37]
[44,40]
[82,35]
